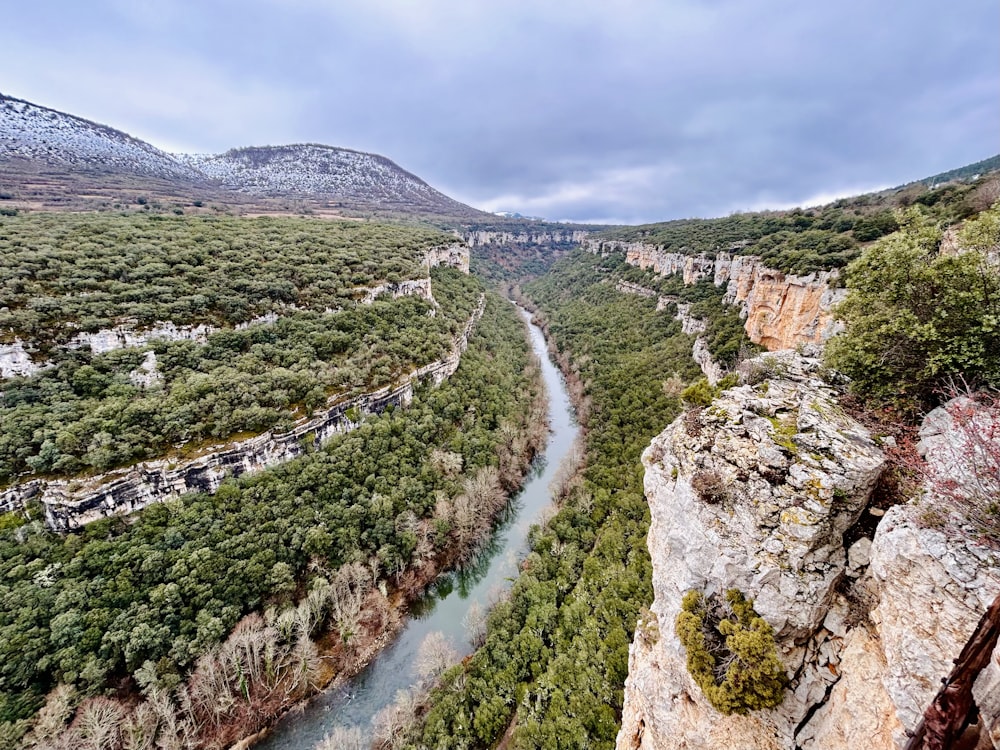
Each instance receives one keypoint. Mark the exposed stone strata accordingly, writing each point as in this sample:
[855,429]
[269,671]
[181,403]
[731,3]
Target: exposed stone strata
[781,310]
[799,473]
[70,504]
[480,238]
[856,682]
[16,360]
[690,325]
[454,256]
[932,590]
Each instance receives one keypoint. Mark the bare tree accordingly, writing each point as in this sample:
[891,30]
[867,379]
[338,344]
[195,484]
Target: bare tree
[97,725]
[475,624]
[52,717]
[434,656]
[344,738]
[390,723]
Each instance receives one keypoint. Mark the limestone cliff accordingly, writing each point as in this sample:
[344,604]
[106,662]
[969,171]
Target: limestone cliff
[16,358]
[70,504]
[781,310]
[865,632]
[480,238]
[690,325]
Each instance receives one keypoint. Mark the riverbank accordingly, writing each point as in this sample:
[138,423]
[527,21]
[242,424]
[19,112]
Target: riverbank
[442,611]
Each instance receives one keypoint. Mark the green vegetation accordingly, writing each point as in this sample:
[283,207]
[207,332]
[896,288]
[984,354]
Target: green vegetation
[96,270]
[724,332]
[918,319]
[86,414]
[556,652]
[804,240]
[145,596]
[731,652]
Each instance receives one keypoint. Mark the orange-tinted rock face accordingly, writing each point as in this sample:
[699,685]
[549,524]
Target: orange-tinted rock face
[781,310]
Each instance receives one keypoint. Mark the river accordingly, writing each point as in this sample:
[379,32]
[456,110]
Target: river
[446,603]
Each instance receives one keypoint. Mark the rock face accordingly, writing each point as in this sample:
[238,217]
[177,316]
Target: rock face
[480,238]
[16,360]
[70,504]
[690,325]
[865,635]
[797,473]
[781,310]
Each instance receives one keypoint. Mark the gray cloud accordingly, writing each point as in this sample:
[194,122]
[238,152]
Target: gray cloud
[636,111]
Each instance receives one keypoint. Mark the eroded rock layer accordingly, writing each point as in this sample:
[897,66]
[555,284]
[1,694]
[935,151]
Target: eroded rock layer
[781,310]
[70,504]
[865,633]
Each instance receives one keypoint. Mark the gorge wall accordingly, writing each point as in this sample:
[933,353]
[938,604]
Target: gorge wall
[72,503]
[781,310]
[690,325]
[16,358]
[481,238]
[866,625]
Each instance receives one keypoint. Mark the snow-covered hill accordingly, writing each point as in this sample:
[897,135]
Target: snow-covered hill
[68,147]
[41,134]
[323,171]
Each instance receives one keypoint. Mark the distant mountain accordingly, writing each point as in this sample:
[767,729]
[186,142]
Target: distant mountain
[57,158]
[315,170]
[40,134]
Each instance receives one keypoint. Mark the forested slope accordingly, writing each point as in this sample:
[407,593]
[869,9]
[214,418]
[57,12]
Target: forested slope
[557,650]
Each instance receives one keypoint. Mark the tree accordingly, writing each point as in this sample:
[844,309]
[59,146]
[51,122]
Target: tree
[916,318]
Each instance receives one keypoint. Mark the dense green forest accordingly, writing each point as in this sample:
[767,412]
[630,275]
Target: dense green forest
[65,273]
[921,323]
[804,240]
[556,651]
[87,414]
[134,602]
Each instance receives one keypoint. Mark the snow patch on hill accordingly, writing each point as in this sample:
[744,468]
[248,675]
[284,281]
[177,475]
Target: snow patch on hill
[312,169]
[41,134]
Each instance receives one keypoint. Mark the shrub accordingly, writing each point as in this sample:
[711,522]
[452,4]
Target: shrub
[916,319]
[709,487]
[699,393]
[731,652]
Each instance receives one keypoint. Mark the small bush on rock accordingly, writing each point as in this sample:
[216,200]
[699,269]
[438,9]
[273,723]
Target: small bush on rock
[709,487]
[731,652]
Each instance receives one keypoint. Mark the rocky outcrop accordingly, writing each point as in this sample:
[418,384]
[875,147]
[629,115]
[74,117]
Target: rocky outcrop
[866,634]
[690,325]
[410,288]
[798,473]
[781,310]
[16,359]
[480,238]
[453,256]
[70,504]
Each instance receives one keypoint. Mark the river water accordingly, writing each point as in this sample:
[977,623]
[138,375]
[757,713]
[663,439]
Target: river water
[446,603]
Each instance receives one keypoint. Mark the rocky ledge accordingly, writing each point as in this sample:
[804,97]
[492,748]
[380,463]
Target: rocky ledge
[758,492]
[70,504]
[781,310]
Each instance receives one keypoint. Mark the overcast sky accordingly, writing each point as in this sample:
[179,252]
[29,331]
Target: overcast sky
[624,111]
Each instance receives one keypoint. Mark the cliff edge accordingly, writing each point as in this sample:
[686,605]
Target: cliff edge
[759,492]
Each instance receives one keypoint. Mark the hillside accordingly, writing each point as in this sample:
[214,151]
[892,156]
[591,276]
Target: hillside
[52,159]
[353,178]
[34,133]
[803,240]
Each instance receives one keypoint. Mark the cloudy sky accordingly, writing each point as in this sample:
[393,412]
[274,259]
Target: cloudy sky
[626,111]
